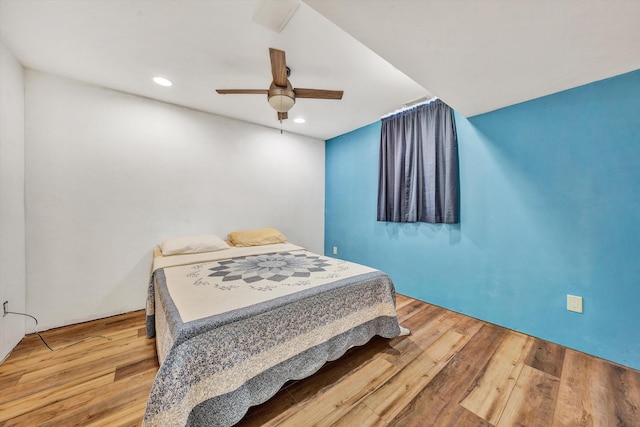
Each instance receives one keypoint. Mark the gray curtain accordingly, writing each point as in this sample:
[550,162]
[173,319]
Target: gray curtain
[418,170]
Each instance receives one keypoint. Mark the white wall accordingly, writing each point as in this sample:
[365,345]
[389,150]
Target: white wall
[12,219]
[109,175]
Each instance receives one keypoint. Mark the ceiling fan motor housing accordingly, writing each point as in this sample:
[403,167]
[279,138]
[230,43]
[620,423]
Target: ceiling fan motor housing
[281,98]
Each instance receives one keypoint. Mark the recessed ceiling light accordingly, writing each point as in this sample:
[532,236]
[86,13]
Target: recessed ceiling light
[299,120]
[162,81]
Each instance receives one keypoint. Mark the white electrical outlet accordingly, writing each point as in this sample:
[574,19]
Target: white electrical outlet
[335,250]
[574,303]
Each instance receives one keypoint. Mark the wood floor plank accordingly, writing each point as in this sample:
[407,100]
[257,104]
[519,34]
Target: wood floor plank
[402,300]
[342,396]
[101,404]
[399,390]
[11,379]
[361,416]
[575,406]
[42,357]
[594,392]
[465,418]
[467,326]
[623,387]
[427,326]
[94,403]
[70,364]
[533,401]
[423,314]
[23,350]
[437,403]
[546,357]
[405,349]
[263,414]
[134,367]
[43,398]
[453,416]
[408,309]
[333,372]
[57,373]
[493,386]
[130,416]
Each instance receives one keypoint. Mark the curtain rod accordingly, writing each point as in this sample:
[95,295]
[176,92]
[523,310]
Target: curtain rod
[409,106]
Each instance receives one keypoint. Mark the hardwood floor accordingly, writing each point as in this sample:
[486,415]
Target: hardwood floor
[451,371]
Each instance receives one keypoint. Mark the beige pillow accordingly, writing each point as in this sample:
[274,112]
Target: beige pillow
[262,236]
[192,244]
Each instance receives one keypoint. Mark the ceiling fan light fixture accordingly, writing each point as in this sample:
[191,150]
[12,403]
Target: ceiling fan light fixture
[281,99]
[281,103]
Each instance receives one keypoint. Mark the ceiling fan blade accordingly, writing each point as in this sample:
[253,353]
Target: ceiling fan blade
[242,91]
[318,93]
[283,116]
[278,67]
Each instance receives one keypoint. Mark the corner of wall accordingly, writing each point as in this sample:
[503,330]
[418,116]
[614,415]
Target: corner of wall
[12,207]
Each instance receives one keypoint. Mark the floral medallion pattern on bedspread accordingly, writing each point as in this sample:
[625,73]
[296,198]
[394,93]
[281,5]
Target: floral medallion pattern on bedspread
[275,267]
[212,288]
[241,327]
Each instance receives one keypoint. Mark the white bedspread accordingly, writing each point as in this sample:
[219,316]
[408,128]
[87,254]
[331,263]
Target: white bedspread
[255,276]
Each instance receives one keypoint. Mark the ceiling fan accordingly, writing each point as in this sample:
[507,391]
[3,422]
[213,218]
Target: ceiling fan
[281,95]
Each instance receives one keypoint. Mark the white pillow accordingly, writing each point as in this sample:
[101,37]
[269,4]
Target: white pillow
[192,244]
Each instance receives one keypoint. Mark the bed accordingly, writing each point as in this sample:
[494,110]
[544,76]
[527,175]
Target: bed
[233,325]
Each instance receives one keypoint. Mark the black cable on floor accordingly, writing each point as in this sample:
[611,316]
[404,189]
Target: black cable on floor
[35,329]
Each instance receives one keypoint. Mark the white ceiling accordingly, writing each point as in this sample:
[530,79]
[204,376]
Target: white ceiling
[475,55]
[482,55]
[202,46]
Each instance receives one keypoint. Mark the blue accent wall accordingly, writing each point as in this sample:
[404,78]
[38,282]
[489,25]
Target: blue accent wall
[550,206]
